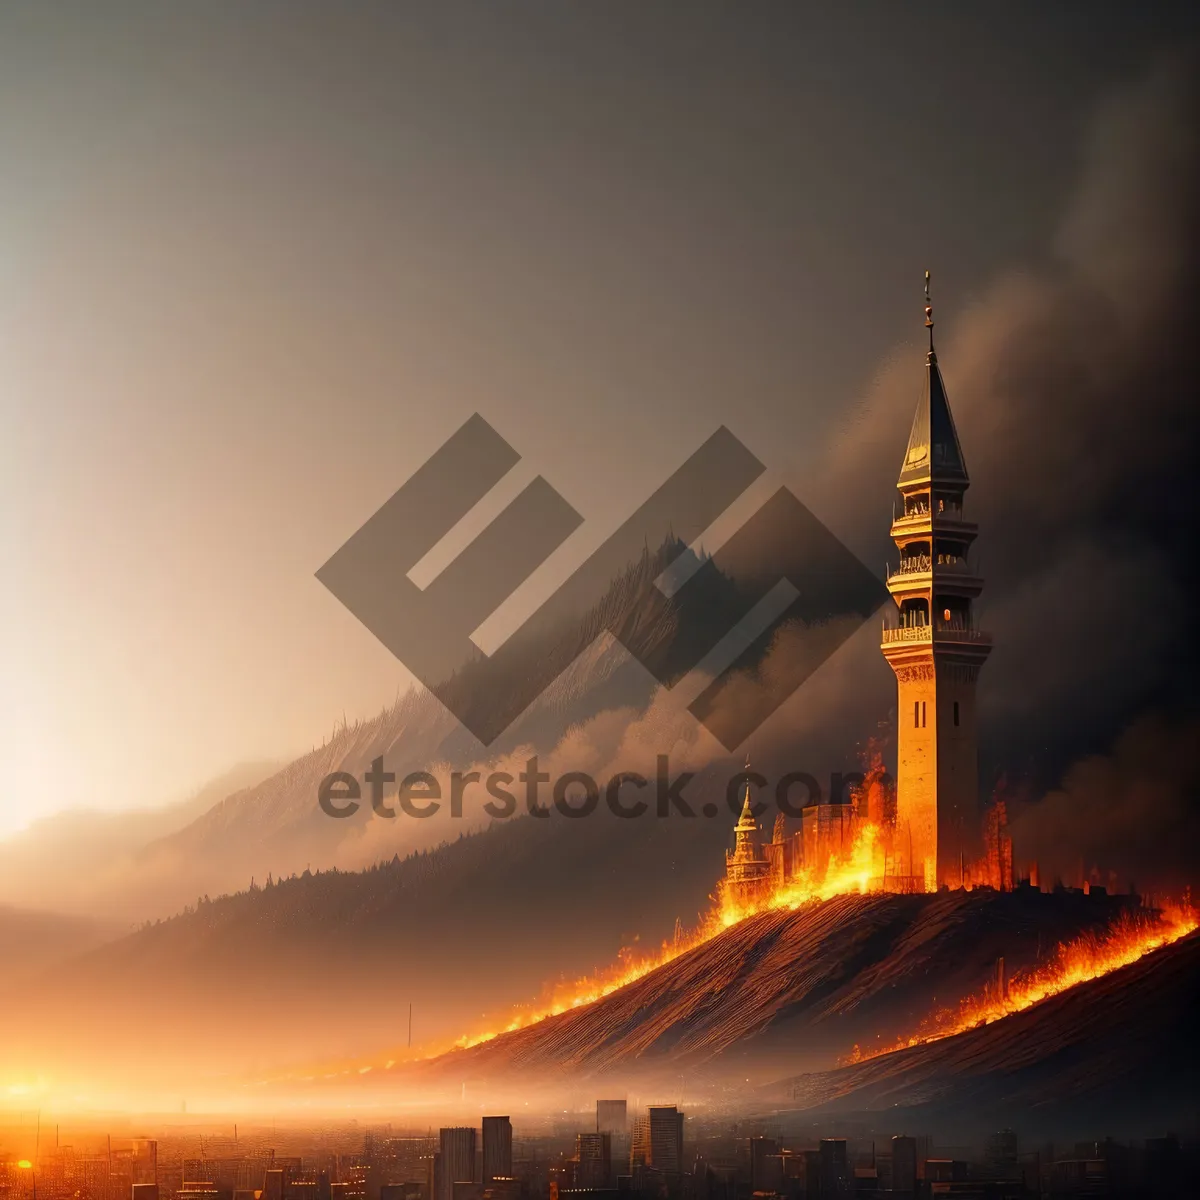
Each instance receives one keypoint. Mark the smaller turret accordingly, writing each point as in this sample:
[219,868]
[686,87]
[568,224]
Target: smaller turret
[746,867]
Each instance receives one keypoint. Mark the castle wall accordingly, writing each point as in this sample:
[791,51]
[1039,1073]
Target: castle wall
[827,831]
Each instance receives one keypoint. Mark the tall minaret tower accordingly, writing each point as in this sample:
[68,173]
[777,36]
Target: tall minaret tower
[935,648]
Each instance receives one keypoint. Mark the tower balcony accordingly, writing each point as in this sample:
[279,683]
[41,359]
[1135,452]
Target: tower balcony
[925,521]
[921,572]
[925,564]
[940,632]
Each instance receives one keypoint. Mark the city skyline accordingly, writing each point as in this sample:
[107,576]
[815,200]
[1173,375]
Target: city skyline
[390,1162]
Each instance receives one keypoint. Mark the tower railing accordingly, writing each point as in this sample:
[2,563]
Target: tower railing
[925,633]
[922,512]
[912,565]
[918,564]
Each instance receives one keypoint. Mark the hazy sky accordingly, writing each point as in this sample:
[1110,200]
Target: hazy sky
[258,262]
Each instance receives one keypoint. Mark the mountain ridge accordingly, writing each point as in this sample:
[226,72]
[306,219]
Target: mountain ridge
[276,827]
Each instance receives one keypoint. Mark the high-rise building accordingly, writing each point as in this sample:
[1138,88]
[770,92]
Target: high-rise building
[936,649]
[456,1160]
[766,1166]
[1000,1154]
[406,1159]
[666,1139]
[497,1148]
[198,1189]
[144,1161]
[611,1116]
[353,1184]
[433,1180]
[835,1167]
[904,1165]
[594,1151]
[409,1190]
[639,1141]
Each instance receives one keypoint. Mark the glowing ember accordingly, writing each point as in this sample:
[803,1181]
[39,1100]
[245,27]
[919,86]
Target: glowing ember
[1075,962]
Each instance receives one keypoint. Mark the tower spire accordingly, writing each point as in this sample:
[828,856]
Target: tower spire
[746,820]
[929,320]
[934,453]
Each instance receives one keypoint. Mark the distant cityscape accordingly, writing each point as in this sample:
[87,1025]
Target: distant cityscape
[624,1153]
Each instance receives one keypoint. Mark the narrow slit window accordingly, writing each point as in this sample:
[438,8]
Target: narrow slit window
[916,714]
[956,712]
[922,714]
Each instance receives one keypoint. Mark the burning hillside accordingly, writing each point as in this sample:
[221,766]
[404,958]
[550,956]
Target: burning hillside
[815,930]
[1090,956]
[1115,1051]
[841,850]
[797,986]
[845,872]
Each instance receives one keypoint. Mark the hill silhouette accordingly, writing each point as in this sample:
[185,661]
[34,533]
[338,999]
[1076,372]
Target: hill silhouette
[283,963]
[82,861]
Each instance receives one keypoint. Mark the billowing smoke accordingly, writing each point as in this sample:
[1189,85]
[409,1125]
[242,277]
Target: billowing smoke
[1073,386]
[1129,817]
[1073,383]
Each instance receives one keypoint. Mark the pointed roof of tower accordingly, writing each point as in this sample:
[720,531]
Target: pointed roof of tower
[746,820]
[934,453]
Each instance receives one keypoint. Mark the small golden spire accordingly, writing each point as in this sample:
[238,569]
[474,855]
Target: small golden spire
[928,312]
[747,817]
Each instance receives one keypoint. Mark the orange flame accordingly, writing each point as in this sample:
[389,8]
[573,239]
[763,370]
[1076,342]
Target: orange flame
[1076,962]
[849,873]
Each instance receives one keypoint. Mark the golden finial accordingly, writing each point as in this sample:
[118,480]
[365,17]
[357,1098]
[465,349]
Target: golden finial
[746,786]
[928,312]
